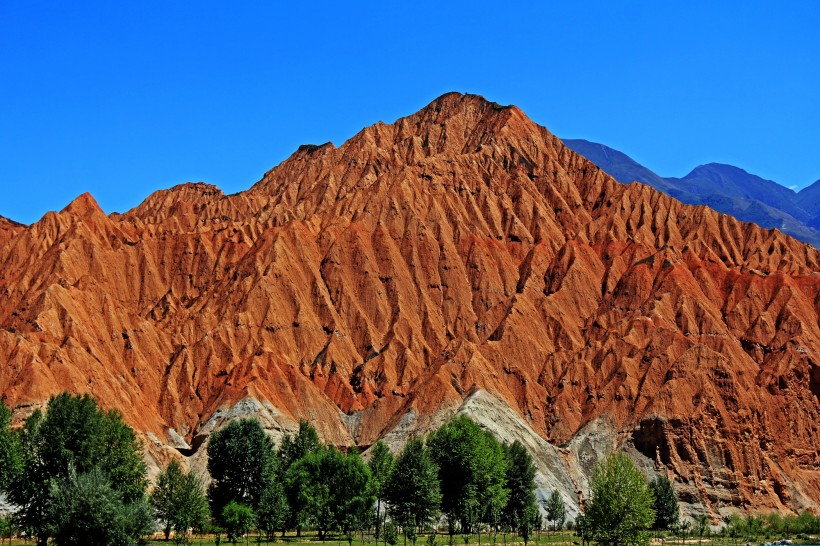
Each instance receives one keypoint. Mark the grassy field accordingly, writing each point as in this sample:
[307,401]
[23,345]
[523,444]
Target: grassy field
[566,538]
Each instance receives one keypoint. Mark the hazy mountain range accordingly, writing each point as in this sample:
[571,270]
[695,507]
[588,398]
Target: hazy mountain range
[725,188]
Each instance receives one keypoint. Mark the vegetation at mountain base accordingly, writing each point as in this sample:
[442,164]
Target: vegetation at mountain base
[241,462]
[413,493]
[74,449]
[86,510]
[472,468]
[238,519]
[381,464]
[10,452]
[292,449]
[99,499]
[272,512]
[521,511]
[179,501]
[333,491]
[556,511]
[667,512]
[620,510]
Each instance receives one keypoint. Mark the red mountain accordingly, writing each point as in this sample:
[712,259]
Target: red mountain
[459,259]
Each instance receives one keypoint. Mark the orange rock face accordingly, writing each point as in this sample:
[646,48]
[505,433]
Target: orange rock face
[460,248]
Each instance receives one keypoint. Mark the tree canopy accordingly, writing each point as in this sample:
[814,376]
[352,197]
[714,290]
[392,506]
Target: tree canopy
[72,438]
[10,450]
[522,508]
[412,491]
[621,506]
[272,512]
[472,469]
[381,466]
[556,511]
[294,447]
[241,461]
[666,503]
[86,510]
[238,519]
[179,501]
[330,491]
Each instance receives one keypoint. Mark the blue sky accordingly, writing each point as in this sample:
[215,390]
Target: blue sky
[123,98]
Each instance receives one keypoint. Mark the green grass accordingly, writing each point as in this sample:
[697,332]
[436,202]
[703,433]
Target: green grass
[311,539]
[545,538]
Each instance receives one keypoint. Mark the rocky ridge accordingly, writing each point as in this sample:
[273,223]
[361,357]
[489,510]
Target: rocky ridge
[459,259]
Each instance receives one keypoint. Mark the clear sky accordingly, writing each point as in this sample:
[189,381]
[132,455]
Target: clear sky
[123,98]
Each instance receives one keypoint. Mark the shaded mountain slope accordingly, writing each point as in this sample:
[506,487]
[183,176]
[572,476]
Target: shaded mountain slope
[457,254]
[725,188]
[809,200]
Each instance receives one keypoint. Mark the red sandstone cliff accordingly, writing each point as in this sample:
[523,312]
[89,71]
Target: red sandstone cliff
[460,249]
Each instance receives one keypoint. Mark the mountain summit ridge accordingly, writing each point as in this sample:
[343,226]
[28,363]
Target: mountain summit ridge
[459,259]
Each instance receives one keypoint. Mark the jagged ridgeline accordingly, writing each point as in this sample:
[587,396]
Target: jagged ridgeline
[459,260]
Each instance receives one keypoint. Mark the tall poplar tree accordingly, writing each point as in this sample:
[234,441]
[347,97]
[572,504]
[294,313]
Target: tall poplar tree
[666,503]
[381,466]
[179,501]
[522,508]
[412,492]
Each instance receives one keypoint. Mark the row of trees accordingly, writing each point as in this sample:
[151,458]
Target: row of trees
[460,471]
[77,476]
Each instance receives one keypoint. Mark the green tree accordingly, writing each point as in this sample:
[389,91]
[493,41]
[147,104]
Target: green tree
[164,495]
[391,535]
[621,506]
[381,466]
[272,512]
[413,493]
[521,507]
[806,523]
[775,523]
[238,519]
[582,529]
[330,491]
[11,458]
[701,525]
[666,503]
[87,511]
[556,511]
[293,448]
[72,438]
[241,461]
[179,502]
[472,470]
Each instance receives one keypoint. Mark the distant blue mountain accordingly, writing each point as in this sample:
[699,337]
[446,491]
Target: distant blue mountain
[809,200]
[725,188]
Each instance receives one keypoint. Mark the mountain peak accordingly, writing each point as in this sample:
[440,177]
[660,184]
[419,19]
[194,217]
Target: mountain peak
[455,99]
[83,205]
